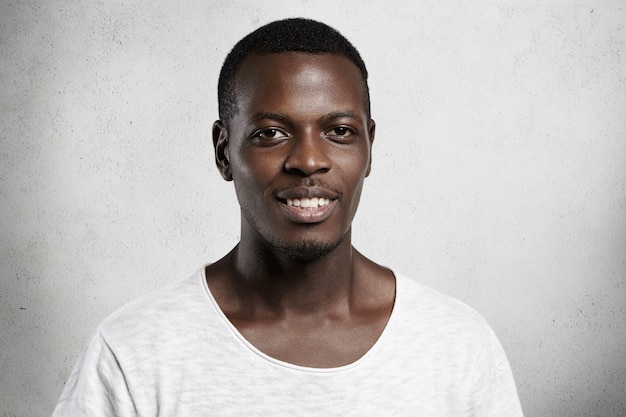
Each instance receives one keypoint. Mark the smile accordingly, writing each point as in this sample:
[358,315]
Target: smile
[310,203]
[308,210]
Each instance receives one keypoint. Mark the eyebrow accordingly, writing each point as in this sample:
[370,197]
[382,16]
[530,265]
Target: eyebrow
[279,117]
[341,115]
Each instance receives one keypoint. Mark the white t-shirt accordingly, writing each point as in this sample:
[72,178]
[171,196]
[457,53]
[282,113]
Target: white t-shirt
[174,353]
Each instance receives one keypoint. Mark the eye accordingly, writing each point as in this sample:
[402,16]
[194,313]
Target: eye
[340,133]
[271,134]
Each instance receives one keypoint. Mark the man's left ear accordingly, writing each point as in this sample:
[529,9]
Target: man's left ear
[372,131]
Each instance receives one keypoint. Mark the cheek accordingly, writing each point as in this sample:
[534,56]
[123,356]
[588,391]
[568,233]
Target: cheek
[244,165]
[355,169]
[355,165]
[252,175]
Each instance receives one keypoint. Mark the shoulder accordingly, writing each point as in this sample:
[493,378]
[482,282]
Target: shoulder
[437,333]
[426,312]
[427,300]
[161,311]
[446,346]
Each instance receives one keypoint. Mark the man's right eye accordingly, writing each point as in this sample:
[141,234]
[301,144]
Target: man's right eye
[269,134]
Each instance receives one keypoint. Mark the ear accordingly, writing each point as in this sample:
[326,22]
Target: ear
[372,131]
[220,144]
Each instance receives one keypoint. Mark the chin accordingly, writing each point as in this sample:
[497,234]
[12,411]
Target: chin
[306,251]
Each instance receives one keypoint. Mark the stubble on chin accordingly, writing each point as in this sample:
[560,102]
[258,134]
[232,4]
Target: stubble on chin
[306,250]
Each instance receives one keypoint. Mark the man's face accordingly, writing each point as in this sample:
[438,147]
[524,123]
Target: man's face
[298,149]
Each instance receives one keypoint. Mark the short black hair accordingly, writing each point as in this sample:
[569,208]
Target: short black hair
[289,35]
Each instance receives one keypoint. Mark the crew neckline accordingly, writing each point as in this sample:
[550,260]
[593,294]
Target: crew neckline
[253,349]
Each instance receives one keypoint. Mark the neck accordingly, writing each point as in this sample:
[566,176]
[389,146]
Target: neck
[280,283]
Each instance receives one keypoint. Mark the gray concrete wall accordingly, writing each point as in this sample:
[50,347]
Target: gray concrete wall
[499,172]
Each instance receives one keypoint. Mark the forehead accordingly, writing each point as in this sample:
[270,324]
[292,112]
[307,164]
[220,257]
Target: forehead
[299,79]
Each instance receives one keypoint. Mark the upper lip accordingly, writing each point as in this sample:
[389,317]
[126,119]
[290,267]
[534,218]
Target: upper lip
[307,192]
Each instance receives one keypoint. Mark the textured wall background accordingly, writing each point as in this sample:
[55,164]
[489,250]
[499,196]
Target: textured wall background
[499,173]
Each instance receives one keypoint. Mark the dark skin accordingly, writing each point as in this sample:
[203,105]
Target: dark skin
[294,286]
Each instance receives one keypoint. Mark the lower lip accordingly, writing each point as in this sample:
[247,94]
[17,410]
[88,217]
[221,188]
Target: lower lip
[308,215]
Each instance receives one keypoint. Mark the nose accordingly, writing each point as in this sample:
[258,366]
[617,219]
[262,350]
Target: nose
[308,156]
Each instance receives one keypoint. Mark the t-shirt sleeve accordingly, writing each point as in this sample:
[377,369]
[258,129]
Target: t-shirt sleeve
[96,387]
[493,392]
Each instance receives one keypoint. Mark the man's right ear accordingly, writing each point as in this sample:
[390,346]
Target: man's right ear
[220,144]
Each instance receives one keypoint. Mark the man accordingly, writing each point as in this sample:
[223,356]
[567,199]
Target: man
[293,321]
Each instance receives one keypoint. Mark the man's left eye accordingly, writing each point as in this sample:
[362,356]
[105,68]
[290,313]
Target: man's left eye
[340,131]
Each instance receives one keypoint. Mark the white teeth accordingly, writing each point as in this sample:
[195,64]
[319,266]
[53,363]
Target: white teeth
[314,202]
